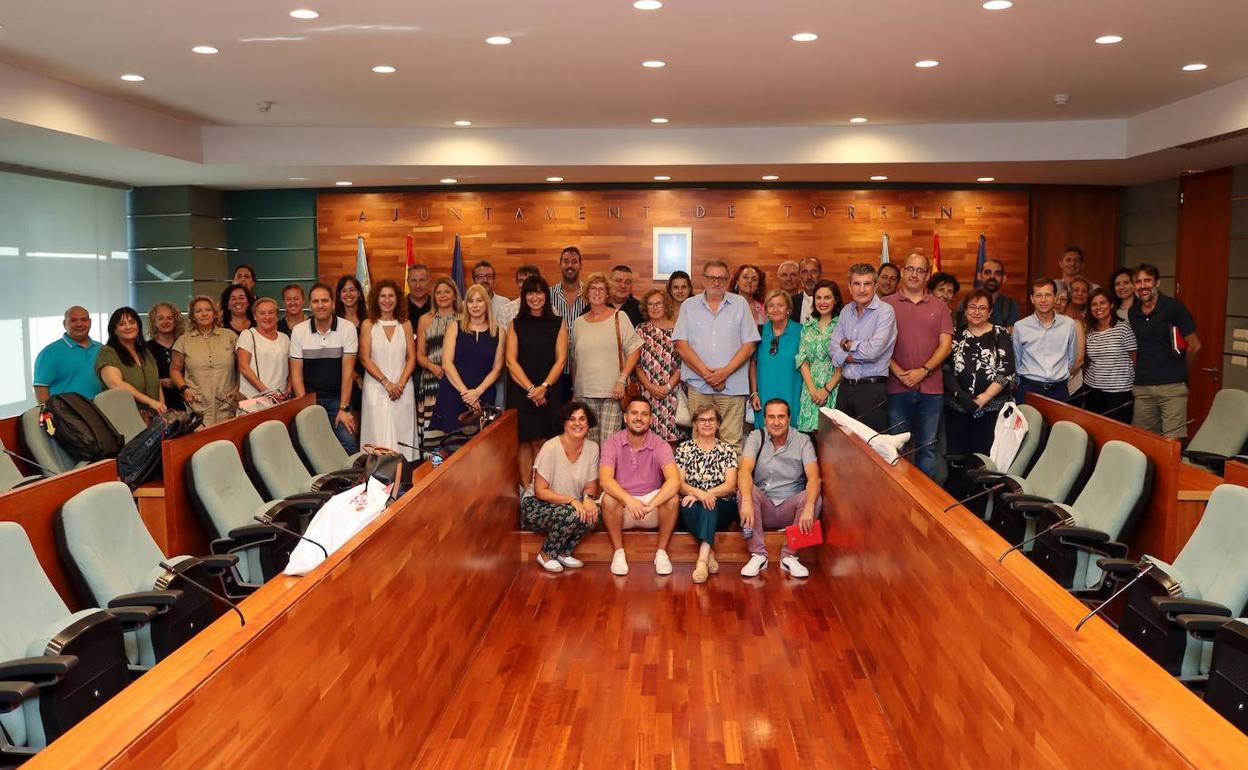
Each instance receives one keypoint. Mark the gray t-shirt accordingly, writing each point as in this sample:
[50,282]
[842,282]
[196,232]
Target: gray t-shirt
[780,473]
[597,355]
[564,477]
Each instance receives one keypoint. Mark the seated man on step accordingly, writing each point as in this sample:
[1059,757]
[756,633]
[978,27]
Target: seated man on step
[640,481]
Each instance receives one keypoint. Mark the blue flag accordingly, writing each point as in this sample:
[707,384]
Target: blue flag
[457,267]
[981,258]
[361,265]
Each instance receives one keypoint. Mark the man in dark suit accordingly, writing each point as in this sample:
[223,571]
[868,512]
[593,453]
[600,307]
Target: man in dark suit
[809,271]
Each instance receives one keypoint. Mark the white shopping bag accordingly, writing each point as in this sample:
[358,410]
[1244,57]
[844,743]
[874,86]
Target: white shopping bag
[339,519]
[1007,436]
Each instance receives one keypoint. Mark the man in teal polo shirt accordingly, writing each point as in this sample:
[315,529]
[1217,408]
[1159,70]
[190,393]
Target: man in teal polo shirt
[68,365]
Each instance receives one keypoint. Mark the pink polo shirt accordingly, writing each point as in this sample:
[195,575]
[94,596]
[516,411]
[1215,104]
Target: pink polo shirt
[639,472]
[919,326]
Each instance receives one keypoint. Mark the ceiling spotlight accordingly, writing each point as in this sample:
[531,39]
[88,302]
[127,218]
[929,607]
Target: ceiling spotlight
[205,49]
[498,40]
[986,179]
[805,37]
[662,179]
[770,178]
[1195,67]
[857,120]
[297,178]
[658,120]
[879,178]
[997,5]
[343,184]
[1109,39]
[925,64]
[133,78]
[384,69]
[559,178]
[654,64]
[647,5]
[463,123]
[448,180]
[305,14]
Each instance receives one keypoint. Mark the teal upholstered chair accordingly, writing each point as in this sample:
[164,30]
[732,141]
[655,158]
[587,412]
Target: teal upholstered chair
[318,447]
[119,408]
[1224,432]
[278,471]
[1225,687]
[41,448]
[10,476]
[981,467]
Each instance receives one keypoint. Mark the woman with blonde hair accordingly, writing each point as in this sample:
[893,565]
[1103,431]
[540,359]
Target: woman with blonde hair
[263,354]
[164,325]
[774,371]
[658,367]
[430,332]
[472,357]
[388,352]
[204,368]
[601,339]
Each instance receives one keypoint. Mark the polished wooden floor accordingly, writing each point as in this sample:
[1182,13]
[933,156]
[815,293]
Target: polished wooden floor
[588,670]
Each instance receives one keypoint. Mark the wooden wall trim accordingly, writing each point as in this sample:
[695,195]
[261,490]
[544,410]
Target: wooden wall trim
[348,666]
[977,663]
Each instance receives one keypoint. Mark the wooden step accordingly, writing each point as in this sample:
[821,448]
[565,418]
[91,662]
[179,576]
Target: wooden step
[595,548]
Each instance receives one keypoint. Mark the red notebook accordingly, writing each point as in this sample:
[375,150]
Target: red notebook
[796,539]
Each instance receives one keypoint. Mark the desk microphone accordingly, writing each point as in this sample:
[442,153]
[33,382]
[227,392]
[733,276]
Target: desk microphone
[202,589]
[978,494]
[889,429]
[883,402]
[28,461]
[1144,571]
[1118,408]
[1066,522]
[912,451]
[1163,435]
[268,522]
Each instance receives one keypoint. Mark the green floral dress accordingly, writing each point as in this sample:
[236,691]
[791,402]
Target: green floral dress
[813,348]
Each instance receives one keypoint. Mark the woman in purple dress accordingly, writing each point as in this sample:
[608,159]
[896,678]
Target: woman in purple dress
[658,369]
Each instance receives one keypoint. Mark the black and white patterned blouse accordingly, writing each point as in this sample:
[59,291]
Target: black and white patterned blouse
[705,470]
[977,362]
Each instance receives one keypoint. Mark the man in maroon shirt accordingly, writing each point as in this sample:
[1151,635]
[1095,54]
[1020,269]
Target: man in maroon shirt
[924,339]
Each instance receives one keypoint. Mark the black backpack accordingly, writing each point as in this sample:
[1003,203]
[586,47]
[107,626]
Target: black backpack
[140,458]
[80,427]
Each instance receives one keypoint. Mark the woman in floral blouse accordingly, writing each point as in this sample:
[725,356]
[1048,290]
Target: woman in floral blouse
[658,369]
[978,374]
[819,376]
[708,484]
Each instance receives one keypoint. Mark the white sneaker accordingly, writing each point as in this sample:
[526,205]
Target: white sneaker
[550,565]
[794,567]
[756,564]
[570,562]
[619,563]
[662,564]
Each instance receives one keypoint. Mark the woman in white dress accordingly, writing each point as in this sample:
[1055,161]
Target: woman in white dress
[388,353]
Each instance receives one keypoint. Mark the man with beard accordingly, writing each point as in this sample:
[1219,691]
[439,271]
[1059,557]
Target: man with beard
[786,276]
[1004,309]
[1165,336]
[887,280]
[568,304]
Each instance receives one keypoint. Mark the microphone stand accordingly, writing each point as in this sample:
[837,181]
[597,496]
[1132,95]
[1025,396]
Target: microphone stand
[1062,523]
[242,620]
[1147,569]
[268,522]
[979,494]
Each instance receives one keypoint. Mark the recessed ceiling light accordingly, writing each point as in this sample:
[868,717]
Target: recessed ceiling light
[343,184]
[658,120]
[1194,171]
[997,5]
[205,49]
[857,120]
[304,14]
[654,64]
[384,69]
[297,178]
[559,178]
[498,40]
[463,123]
[133,78]
[805,37]
[879,178]
[448,180]
[986,179]
[662,179]
[925,64]
[770,178]
[647,5]
[1109,39]
[1194,67]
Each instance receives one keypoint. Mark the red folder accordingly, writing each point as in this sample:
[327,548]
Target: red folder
[796,539]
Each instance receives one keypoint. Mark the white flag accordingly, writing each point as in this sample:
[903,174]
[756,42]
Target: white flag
[884,250]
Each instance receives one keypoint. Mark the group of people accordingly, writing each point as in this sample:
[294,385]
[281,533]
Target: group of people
[680,406]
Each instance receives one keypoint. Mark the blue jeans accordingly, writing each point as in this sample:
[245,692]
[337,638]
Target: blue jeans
[345,437]
[919,415]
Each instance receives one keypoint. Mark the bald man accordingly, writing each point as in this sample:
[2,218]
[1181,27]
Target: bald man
[68,364]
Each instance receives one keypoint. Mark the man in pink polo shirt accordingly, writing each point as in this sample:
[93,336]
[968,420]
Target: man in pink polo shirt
[924,339]
[639,479]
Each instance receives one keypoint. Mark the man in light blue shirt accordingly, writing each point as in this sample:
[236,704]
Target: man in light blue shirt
[1046,346]
[862,347]
[68,365]
[715,336]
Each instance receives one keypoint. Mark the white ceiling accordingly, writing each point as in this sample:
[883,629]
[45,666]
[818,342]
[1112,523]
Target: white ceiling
[576,65]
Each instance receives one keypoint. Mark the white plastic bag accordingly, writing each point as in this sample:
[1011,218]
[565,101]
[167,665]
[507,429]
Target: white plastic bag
[339,519]
[1008,436]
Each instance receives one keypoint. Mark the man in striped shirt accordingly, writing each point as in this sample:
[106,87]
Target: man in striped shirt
[568,304]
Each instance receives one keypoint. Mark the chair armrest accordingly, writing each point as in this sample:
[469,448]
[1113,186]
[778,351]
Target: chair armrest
[161,600]
[27,480]
[1081,536]
[338,481]
[1027,504]
[1118,567]
[1211,460]
[252,532]
[133,617]
[1203,627]
[212,565]
[314,497]
[13,693]
[984,476]
[1170,606]
[41,671]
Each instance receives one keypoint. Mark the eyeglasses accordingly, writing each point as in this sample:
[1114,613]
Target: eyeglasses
[483,277]
[706,420]
[915,270]
[977,308]
[775,345]
[715,278]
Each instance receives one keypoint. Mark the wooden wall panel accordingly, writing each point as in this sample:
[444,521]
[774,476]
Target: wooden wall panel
[739,226]
[976,662]
[1236,473]
[1087,217]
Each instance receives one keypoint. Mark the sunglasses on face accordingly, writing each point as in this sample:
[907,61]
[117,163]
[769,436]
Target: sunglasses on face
[775,346]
